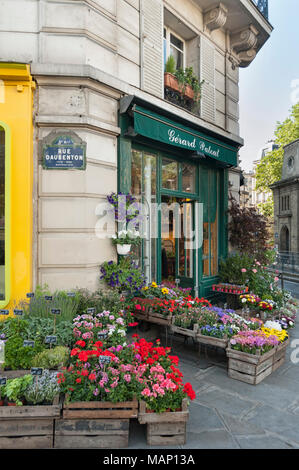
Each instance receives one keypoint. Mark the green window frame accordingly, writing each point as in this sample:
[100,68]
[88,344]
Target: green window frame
[7,214]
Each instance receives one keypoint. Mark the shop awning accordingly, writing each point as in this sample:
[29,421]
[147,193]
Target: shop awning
[154,126]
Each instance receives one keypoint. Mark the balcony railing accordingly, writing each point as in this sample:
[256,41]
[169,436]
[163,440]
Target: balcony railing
[262,5]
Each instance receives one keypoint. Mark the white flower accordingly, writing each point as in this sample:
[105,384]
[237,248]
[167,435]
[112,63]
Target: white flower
[273,325]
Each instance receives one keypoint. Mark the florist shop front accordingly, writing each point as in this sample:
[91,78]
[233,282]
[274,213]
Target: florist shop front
[179,175]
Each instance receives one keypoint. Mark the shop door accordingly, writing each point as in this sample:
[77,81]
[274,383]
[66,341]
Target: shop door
[178,241]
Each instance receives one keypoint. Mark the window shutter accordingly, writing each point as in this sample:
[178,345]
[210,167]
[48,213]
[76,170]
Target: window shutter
[207,73]
[152,47]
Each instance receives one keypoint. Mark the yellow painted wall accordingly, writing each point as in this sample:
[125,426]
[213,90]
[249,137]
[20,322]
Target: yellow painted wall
[16,112]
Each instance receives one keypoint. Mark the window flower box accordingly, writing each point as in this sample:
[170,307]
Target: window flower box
[172,83]
[168,428]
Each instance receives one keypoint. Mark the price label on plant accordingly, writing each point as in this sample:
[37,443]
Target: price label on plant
[36,371]
[91,310]
[71,294]
[4,312]
[30,295]
[18,312]
[104,359]
[3,380]
[56,311]
[51,340]
[102,335]
[48,297]
[29,344]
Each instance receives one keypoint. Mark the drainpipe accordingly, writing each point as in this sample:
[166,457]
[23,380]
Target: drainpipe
[141,34]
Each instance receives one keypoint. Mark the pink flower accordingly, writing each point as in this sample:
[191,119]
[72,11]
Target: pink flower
[127,378]
[146,392]
[276,279]
[254,270]
[243,270]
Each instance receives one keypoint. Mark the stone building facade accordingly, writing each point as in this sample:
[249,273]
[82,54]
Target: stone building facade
[83,59]
[286,201]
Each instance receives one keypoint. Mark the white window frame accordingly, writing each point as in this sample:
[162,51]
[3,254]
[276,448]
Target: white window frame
[168,33]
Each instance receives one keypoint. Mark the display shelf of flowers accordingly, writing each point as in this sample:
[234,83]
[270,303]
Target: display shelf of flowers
[230,288]
[29,408]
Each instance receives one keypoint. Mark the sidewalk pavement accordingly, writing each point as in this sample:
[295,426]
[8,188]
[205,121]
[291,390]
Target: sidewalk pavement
[228,414]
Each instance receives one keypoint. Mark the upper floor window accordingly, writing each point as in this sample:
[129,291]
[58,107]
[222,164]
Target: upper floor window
[175,46]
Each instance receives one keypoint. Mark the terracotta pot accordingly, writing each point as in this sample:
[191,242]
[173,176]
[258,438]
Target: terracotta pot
[171,82]
[11,403]
[189,92]
[1,402]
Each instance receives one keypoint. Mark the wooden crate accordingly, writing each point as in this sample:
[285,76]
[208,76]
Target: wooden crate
[210,341]
[249,368]
[28,427]
[158,319]
[184,331]
[94,425]
[100,410]
[91,433]
[168,428]
[280,354]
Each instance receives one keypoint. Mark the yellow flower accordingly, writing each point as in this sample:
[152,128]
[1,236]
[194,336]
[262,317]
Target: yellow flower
[164,290]
[154,284]
[145,288]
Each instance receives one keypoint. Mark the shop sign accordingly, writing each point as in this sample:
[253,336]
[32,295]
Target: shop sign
[159,128]
[64,151]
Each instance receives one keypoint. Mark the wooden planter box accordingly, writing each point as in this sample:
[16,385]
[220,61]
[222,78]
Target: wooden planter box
[158,318]
[210,341]
[94,425]
[163,429]
[250,368]
[28,427]
[184,331]
[280,354]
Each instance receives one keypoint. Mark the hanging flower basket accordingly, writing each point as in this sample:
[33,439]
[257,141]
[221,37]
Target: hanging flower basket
[123,249]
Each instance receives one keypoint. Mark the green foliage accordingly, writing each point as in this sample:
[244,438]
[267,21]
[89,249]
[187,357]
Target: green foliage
[15,388]
[170,65]
[124,276]
[37,329]
[187,77]
[248,231]
[43,390]
[41,308]
[100,300]
[230,270]
[52,358]
[270,169]
[18,356]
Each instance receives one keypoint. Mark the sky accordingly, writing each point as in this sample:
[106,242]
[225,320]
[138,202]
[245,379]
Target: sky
[269,86]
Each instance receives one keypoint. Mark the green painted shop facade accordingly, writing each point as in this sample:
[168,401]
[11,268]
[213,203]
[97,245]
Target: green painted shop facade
[182,169]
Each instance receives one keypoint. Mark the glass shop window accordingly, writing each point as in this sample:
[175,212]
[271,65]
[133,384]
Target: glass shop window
[210,183]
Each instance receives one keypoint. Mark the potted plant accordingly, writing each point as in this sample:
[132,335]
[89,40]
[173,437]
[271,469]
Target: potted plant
[15,390]
[170,81]
[124,239]
[182,80]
